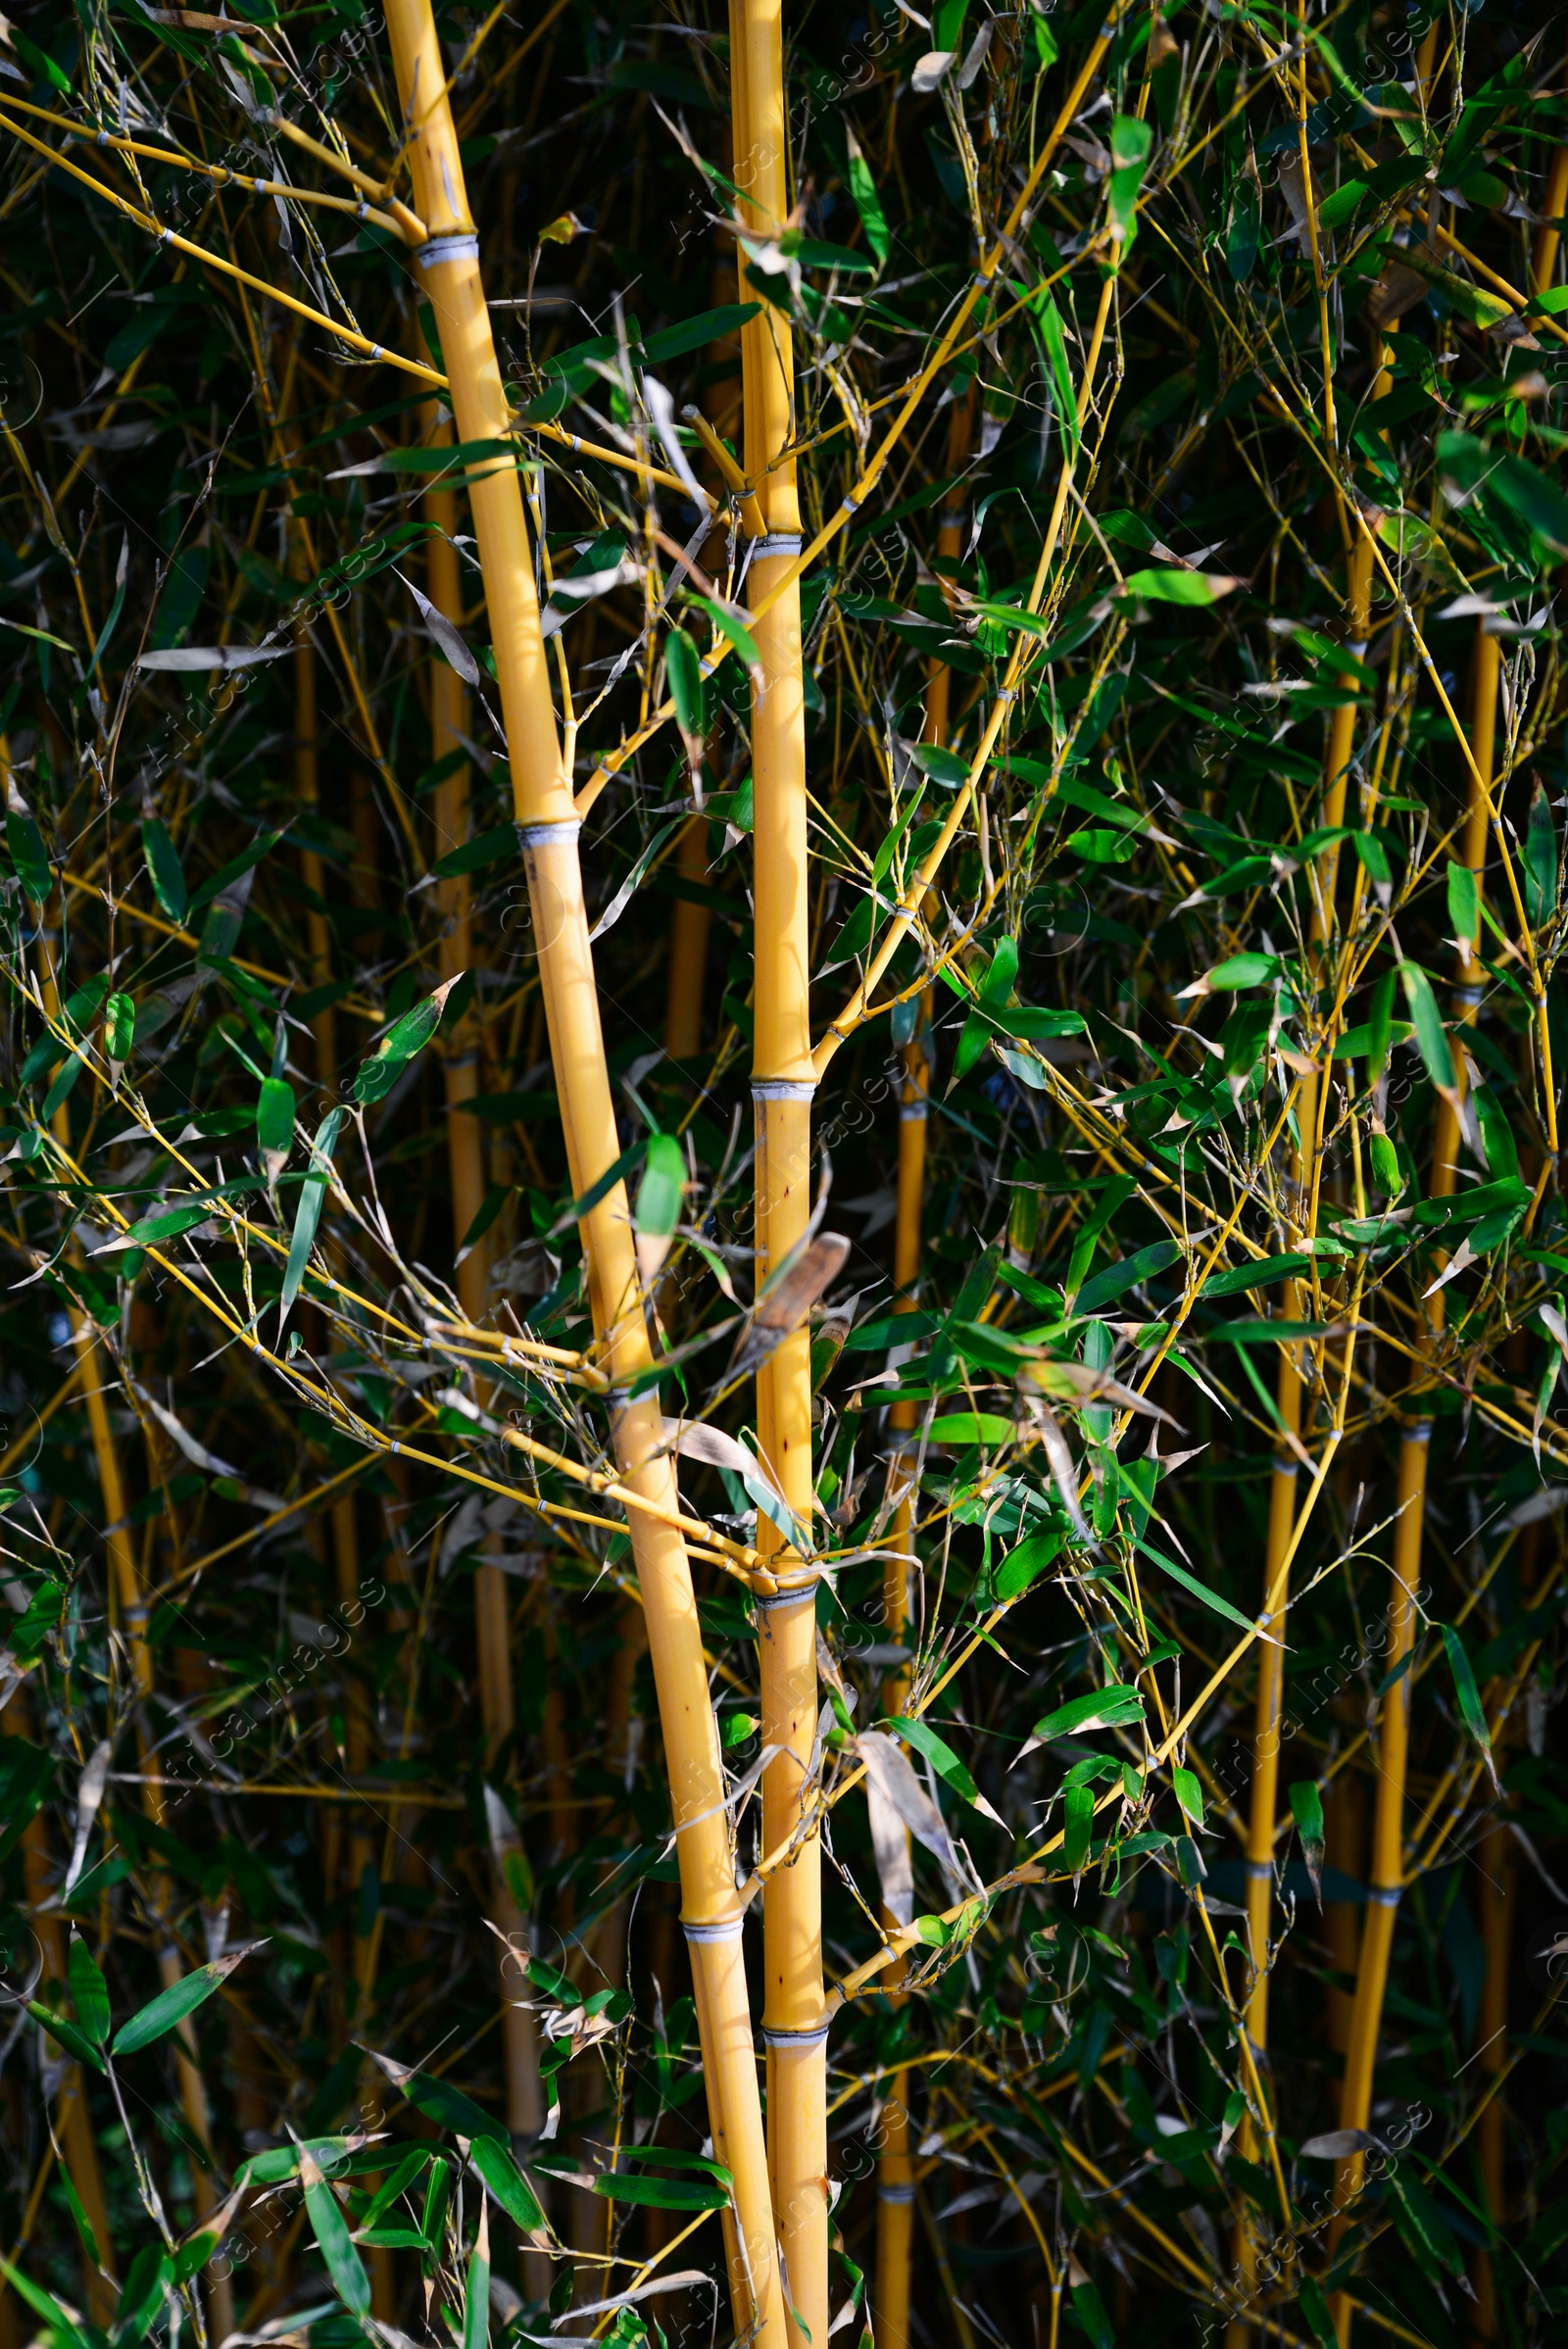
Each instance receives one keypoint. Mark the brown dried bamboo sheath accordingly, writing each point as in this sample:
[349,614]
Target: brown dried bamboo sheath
[783,1082]
[449,274]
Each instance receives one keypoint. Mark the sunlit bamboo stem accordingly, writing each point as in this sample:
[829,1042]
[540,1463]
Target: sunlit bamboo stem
[448,267]
[782,1087]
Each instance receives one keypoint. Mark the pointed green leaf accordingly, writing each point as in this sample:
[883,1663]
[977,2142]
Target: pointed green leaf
[1464,1685]
[1540,861]
[1427,1020]
[867,202]
[330,2229]
[165,870]
[89,1993]
[1079,1820]
[142,2296]
[1115,1707]
[274,1116]
[1189,1793]
[119,1027]
[500,2174]
[308,1214]
[28,855]
[402,1040]
[1306,1807]
[73,2041]
[449,2108]
[44,2305]
[663,1189]
[172,2006]
[683,666]
[943,1760]
[477,2290]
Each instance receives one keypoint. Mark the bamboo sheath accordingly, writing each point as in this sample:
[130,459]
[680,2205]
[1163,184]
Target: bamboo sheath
[782,1086]
[449,271]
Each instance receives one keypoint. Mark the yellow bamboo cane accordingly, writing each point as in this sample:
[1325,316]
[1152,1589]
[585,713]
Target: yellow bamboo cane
[1265,1804]
[449,271]
[449,725]
[895,2188]
[1386,1876]
[782,1086]
[131,1601]
[1387,1873]
[73,2120]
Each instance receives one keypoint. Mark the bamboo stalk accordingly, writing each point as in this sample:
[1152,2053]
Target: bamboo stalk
[1387,1873]
[449,270]
[73,2120]
[129,1600]
[1265,1804]
[1377,1933]
[782,1085]
[448,725]
[896,2194]
[689,927]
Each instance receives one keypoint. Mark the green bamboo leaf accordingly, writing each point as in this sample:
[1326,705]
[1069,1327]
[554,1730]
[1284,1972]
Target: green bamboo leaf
[449,2108]
[402,1040]
[1427,1019]
[331,2229]
[867,202]
[486,847]
[1464,902]
[147,2279]
[28,855]
[695,334]
[683,666]
[943,1760]
[1113,1707]
[72,2040]
[1261,1275]
[120,1028]
[1194,588]
[493,2160]
[1025,1563]
[1306,1807]
[275,1117]
[172,2006]
[1540,861]
[1189,1793]
[476,2288]
[1190,1582]
[89,1993]
[662,1191]
[1090,2310]
[1131,138]
[308,1214]
[662,2193]
[1318,2312]
[43,2304]
[1079,1820]
[167,873]
[1471,1708]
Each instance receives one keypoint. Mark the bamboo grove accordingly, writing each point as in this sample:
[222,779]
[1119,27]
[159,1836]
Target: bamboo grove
[783,1458]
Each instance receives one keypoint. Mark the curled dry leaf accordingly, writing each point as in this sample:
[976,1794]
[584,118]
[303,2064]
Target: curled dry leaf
[787,1300]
